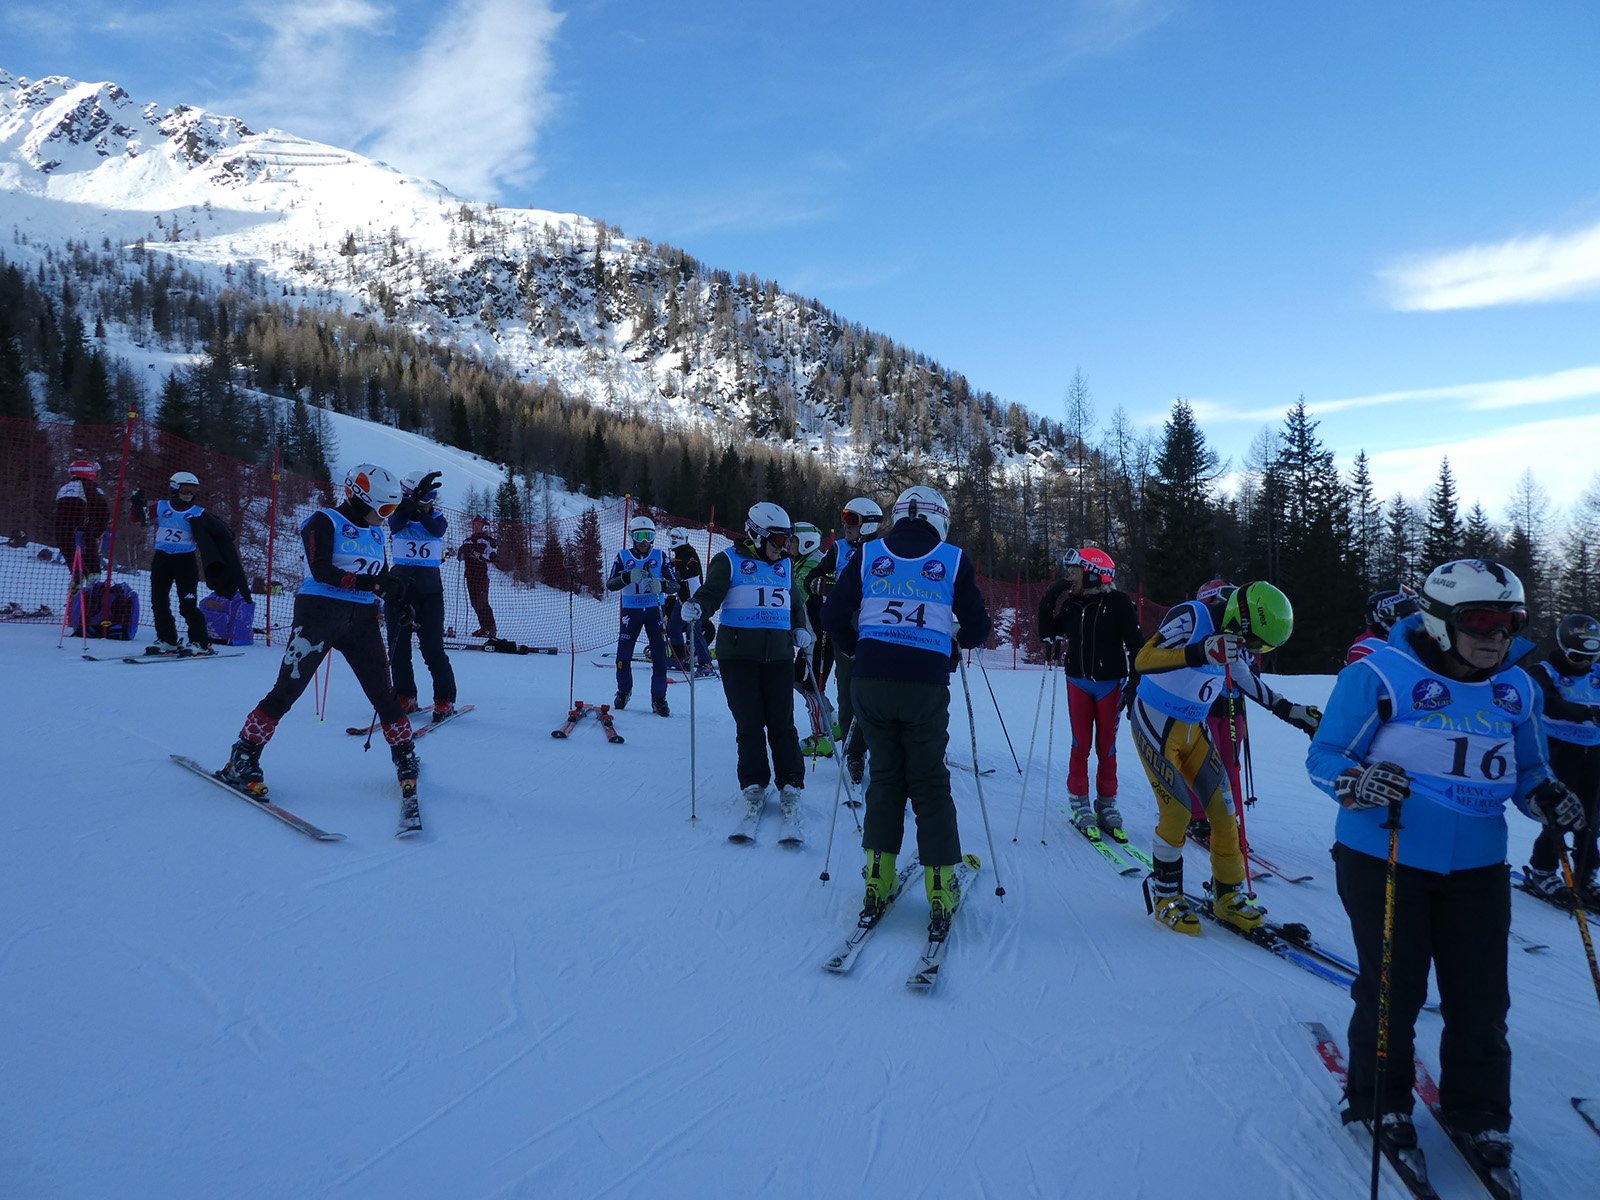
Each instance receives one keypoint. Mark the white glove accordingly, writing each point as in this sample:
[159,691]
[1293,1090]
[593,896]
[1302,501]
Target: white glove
[803,639]
[1553,803]
[689,611]
[1372,786]
[653,586]
[636,575]
[1223,648]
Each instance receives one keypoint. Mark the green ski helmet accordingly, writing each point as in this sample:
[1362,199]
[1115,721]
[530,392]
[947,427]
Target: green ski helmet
[1261,613]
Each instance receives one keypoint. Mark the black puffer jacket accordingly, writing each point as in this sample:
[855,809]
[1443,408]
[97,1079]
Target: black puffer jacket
[1098,632]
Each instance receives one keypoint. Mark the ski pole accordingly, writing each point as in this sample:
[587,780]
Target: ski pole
[1577,911]
[833,825]
[367,745]
[977,779]
[838,747]
[1050,759]
[1038,706]
[985,672]
[1393,826]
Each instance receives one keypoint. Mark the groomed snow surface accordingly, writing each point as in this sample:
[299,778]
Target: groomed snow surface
[567,989]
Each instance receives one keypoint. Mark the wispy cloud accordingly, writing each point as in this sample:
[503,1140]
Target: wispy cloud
[463,104]
[1576,383]
[1523,270]
[1486,468]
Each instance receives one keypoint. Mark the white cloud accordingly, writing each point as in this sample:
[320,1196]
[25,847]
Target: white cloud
[1486,468]
[1525,270]
[1576,383]
[463,104]
[468,110]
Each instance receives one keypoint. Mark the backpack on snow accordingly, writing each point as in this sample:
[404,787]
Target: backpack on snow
[122,613]
[229,621]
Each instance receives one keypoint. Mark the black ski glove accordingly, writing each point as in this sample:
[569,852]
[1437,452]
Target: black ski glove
[1553,803]
[1372,786]
[1304,717]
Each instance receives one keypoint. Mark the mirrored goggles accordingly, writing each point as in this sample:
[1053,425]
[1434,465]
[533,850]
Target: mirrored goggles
[1485,622]
[387,510]
[644,535]
[849,518]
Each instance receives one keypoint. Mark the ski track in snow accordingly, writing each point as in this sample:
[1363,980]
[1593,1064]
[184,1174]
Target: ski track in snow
[571,990]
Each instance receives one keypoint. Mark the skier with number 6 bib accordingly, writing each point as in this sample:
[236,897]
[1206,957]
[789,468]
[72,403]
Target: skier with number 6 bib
[1437,724]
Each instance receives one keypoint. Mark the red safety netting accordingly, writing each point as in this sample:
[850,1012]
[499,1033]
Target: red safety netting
[544,588]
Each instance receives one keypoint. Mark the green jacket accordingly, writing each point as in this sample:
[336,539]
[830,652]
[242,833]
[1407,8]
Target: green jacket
[748,645]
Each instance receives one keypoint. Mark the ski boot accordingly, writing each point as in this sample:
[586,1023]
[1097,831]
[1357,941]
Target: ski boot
[1397,1131]
[1492,1148]
[856,765]
[161,649]
[705,672]
[659,707]
[944,895]
[442,709]
[880,876]
[818,745]
[1106,813]
[620,701]
[1546,884]
[789,802]
[406,766]
[1200,830]
[1163,894]
[755,799]
[408,704]
[199,650]
[244,768]
[1082,814]
[1231,904]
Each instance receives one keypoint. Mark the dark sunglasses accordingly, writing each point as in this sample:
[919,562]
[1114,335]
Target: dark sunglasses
[1482,622]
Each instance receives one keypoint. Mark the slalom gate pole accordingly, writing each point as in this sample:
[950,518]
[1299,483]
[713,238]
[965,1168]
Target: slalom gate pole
[1049,760]
[1583,918]
[985,672]
[572,644]
[1033,737]
[1384,989]
[75,596]
[977,779]
[116,513]
[1233,778]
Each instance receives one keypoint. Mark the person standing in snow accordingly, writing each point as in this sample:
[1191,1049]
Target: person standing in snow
[414,601]
[681,634]
[1434,724]
[82,517]
[762,624]
[1093,631]
[905,606]
[862,518]
[174,563]
[642,574]
[477,554]
[336,608]
[1199,650]
[1569,677]
[811,667]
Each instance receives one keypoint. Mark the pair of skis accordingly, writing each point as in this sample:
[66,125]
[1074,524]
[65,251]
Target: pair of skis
[1113,845]
[410,813]
[1408,1164]
[930,964]
[579,711]
[791,833]
[421,730]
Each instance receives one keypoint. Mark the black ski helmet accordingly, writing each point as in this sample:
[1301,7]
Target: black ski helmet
[1384,609]
[1578,636]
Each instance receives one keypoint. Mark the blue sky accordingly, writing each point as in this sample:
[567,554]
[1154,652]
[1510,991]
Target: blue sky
[1391,209]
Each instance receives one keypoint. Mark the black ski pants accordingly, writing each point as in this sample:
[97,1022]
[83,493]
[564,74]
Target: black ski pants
[321,626]
[429,610]
[907,726]
[1579,768]
[648,622]
[184,571]
[762,704]
[477,578]
[1461,923]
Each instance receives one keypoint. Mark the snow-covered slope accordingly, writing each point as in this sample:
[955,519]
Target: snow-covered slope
[566,988]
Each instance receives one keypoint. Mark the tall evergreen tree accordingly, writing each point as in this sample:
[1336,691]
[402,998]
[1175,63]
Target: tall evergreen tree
[1441,539]
[1479,537]
[585,556]
[1366,523]
[15,398]
[177,414]
[1178,506]
[1398,554]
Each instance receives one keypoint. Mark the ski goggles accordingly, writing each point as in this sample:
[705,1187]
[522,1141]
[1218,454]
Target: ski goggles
[644,535]
[1072,558]
[852,519]
[1486,622]
[387,510]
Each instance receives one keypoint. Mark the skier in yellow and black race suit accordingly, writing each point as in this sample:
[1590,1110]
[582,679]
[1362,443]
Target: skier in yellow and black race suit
[1195,656]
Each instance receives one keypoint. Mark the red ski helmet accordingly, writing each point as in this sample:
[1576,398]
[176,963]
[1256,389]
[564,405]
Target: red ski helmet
[1097,566]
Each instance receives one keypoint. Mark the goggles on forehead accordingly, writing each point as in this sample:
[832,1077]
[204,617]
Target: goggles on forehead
[1483,622]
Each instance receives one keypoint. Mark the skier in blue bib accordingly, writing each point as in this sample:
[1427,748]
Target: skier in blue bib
[1569,676]
[904,606]
[336,608]
[643,575]
[174,563]
[860,521]
[1436,723]
[415,603]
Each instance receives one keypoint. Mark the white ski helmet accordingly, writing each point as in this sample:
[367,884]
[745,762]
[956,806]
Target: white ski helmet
[766,521]
[374,486]
[183,479]
[409,486]
[1470,583]
[923,503]
[641,529]
[866,513]
[808,537]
